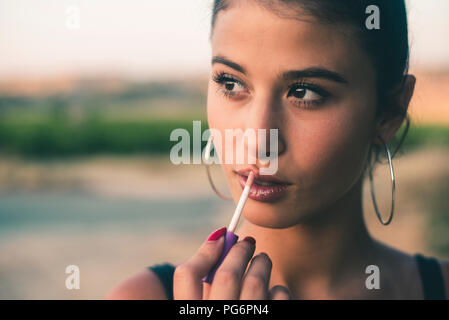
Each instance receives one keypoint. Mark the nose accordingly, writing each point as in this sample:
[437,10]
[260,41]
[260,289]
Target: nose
[265,112]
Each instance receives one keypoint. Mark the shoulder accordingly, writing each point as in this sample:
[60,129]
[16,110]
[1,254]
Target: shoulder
[402,269]
[445,271]
[144,285]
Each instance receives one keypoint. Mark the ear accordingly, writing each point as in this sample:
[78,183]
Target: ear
[388,126]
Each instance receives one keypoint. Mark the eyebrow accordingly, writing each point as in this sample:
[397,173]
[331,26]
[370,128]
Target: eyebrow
[313,72]
[229,63]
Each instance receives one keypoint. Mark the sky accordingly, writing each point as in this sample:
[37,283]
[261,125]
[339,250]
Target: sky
[151,38]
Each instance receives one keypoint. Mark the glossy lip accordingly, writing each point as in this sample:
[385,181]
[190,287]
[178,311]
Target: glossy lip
[263,193]
[263,178]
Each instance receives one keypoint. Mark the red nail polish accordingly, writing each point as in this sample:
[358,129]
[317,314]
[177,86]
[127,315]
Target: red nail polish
[250,239]
[217,234]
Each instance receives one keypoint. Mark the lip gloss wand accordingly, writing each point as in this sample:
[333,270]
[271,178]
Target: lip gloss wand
[230,237]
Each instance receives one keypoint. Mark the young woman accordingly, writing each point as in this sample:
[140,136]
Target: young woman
[337,91]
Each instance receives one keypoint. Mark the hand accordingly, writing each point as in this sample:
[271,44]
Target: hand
[230,281]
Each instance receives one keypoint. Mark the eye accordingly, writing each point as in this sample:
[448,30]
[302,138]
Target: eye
[228,85]
[306,95]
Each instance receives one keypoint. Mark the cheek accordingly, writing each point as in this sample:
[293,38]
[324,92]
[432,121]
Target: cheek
[212,110]
[222,116]
[217,116]
[331,153]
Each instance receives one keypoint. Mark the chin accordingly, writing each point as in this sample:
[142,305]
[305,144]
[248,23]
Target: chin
[280,216]
[269,216]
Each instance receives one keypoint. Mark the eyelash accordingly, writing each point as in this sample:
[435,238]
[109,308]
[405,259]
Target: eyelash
[221,78]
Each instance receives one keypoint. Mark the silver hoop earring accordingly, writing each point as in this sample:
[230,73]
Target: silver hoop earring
[392,190]
[207,151]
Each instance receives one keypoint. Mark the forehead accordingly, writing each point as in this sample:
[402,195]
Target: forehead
[257,38]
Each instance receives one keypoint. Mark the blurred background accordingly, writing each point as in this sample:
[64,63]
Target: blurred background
[89,93]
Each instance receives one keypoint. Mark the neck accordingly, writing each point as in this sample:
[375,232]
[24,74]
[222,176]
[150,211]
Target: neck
[314,258]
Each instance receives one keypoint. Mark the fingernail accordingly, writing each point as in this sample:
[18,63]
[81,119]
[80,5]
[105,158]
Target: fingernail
[217,234]
[250,240]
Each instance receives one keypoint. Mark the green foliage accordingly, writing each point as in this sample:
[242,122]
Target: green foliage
[439,219]
[424,135]
[91,119]
[58,137]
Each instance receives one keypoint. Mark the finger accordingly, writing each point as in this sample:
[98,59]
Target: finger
[257,278]
[227,281]
[206,290]
[279,293]
[187,279]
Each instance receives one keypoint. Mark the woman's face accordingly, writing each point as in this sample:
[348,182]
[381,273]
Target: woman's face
[324,113]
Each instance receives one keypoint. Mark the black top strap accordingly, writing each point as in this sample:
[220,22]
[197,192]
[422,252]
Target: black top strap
[431,277]
[165,273]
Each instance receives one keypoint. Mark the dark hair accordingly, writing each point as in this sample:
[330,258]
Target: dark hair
[387,47]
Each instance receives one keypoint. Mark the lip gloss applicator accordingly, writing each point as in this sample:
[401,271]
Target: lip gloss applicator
[230,237]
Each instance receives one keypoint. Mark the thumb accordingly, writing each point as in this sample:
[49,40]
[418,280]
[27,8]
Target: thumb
[279,293]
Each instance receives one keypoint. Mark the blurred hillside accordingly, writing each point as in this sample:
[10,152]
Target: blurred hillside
[68,116]
[76,116]
[106,94]
[430,103]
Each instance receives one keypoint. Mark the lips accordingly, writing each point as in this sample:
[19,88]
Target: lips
[262,179]
[264,188]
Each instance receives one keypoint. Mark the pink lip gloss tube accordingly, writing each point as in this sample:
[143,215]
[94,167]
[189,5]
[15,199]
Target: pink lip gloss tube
[230,237]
